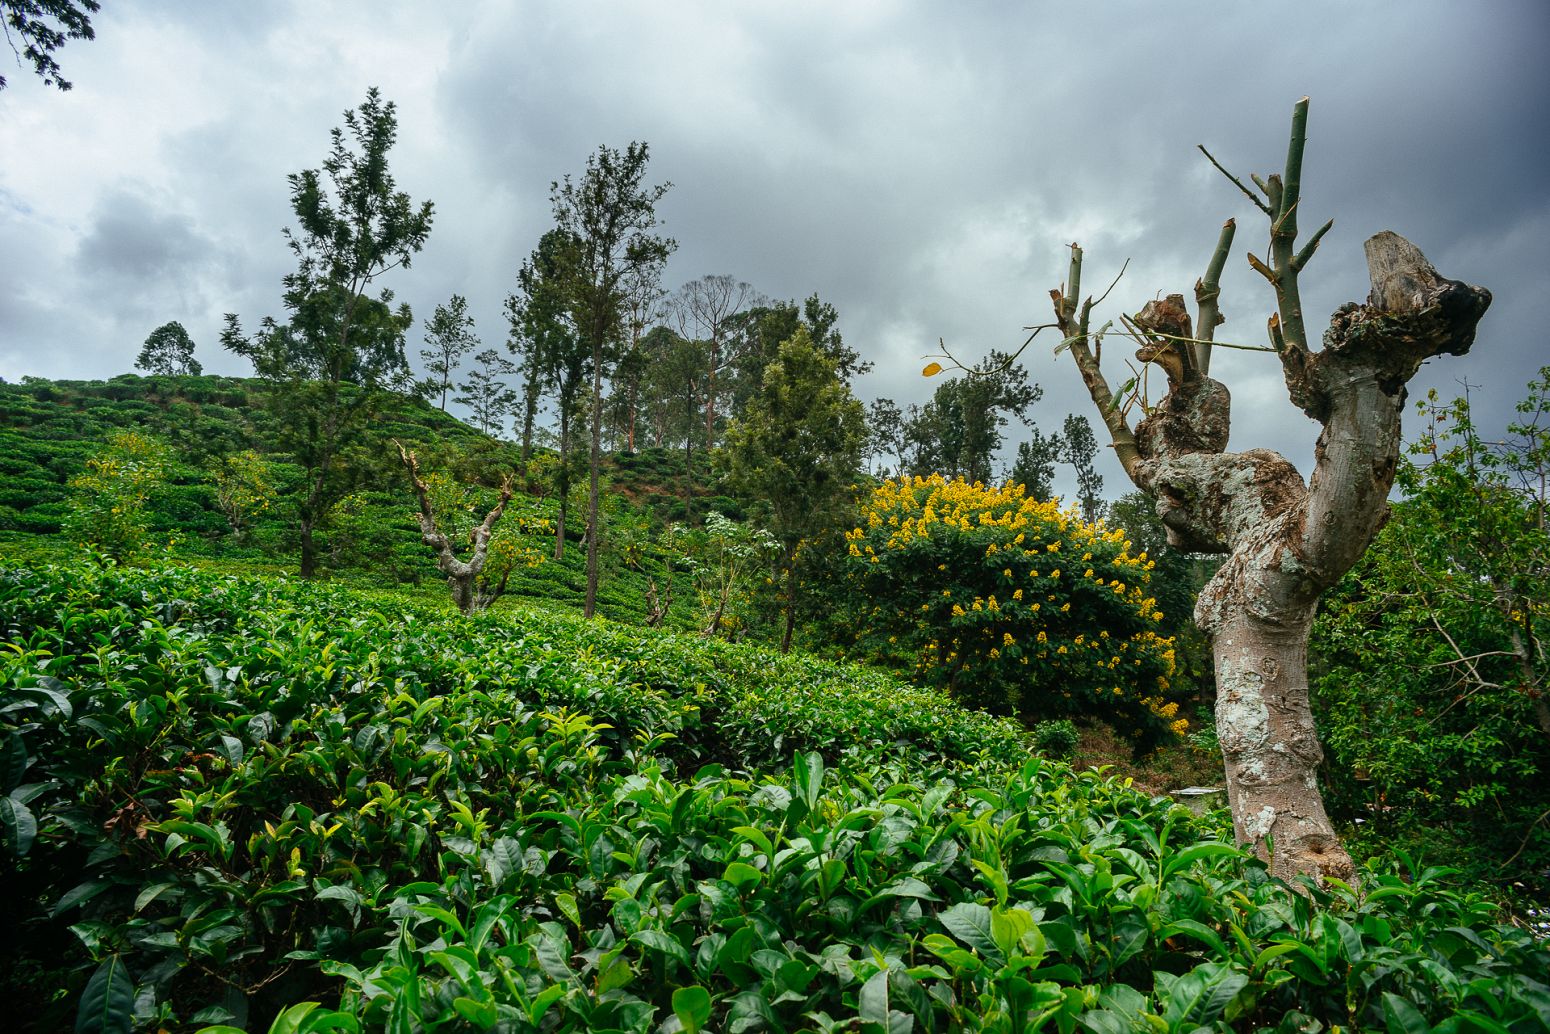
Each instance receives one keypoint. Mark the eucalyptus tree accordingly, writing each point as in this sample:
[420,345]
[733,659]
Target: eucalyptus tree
[450,333]
[555,360]
[485,394]
[1079,447]
[1286,540]
[610,215]
[674,387]
[642,310]
[327,366]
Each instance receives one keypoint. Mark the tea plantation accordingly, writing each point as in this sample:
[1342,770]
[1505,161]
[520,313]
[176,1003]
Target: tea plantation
[238,803]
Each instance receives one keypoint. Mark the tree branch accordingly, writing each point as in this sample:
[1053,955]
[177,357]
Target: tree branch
[1074,329]
[1208,293]
[1237,182]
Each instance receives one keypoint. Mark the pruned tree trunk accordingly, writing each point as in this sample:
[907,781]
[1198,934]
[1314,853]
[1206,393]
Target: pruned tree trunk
[657,607]
[462,576]
[1286,541]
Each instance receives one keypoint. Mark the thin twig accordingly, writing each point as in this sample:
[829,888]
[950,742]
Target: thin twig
[1106,291]
[1236,182]
[1526,836]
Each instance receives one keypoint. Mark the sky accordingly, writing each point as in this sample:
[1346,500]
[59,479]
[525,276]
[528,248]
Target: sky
[921,166]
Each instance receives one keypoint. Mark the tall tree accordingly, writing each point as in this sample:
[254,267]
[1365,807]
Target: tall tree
[169,351]
[555,358]
[643,300]
[674,385]
[959,431]
[327,366]
[610,213]
[707,310]
[1079,447]
[762,328]
[1034,467]
[43,26]
[798,448]
[485,394]
[885,434]
[1286,540]
[450,333]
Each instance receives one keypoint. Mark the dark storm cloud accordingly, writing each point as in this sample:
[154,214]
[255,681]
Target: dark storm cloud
[921,166]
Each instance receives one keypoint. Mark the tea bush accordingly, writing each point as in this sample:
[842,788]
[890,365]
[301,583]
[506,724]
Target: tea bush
[1010,604]
[231,799]
[1057,739]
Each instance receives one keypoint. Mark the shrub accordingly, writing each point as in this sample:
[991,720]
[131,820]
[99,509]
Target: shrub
[1010,604]
[1056,739]
[108,500]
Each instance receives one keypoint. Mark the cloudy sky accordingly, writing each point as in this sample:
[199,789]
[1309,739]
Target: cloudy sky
[920,165]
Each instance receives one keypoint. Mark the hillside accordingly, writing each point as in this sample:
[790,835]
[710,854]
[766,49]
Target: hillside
[48,430]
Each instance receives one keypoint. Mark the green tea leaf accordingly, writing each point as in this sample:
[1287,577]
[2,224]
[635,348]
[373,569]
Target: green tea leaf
[692,1007]
[108,1003]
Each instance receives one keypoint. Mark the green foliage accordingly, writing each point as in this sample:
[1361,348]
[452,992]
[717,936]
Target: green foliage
[169,352]
[488,399]
[1010,604]
[244,488]
[255,796]
[43,27]
[1056,739]
[725,562]
[1433,691]
[450,333]
[326,366]
[796,449]
[108,501]
[958,432]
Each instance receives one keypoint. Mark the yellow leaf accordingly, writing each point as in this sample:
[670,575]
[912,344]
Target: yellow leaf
[931,370]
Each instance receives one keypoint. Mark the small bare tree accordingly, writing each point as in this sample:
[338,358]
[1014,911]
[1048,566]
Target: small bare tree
[469,592]
[1285,540]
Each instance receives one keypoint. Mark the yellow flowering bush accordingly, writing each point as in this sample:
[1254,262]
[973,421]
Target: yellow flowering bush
[1010,604]
[109,509]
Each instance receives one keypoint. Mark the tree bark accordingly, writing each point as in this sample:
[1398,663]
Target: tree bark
[309,552]
[1286,541]
[562,484]
[791,600]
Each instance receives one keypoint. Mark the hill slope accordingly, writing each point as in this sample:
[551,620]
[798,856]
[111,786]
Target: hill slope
[48,430]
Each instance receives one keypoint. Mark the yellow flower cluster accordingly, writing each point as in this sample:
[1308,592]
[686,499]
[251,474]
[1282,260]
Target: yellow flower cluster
[981,629]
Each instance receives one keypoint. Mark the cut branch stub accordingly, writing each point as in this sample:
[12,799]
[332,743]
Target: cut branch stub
[1403,281]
